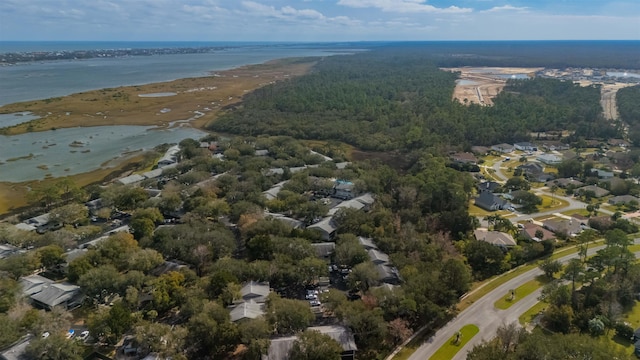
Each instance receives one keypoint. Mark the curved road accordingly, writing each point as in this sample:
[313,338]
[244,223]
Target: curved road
[483,314]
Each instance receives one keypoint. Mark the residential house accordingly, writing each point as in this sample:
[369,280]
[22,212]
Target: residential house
[131,179]
[246,311]
[564,182]
[598,191]
[63,295]
[343,190]
[294,223]
[280,347]
[618,142]
[531,232]
[496,238]
[623,199]
[489,186]
[273,192]
[602,174]
[490,202]
[263,152]
[255,291]
[170,157]
[33,284]
[550,159]
[480,150]
[503,148]
[535,172]
[525,146]
[388,274]
[326,226]
[324,250]
[564,227]
[18,350]
[166,267]
[554,145]
[342,165]
[367,243]
[7,250]
[349,204]
[378,257]
[464,158]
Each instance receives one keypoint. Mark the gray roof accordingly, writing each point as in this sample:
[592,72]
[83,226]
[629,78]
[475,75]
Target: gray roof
[378,257]
[324,249]
[349,204]
[33,284]
[56,294]
[131,179]
[7,250]
[563,226]
[325,226]
[367,243]
[387,273]
[25,227]
[366,199]
[623,199]
[152,174]
[494,237]
[273,192]
[489,201]
[246,310]
[74,254]
[38,220]
[342,165]
[280,347]
[263,152]
[600,192]
[341,334]
[17,351]
[255,291]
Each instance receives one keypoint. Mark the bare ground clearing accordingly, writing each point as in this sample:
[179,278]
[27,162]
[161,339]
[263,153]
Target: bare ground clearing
[480,85]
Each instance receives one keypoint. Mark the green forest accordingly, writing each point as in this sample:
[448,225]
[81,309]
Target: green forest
[628,102]
[400,100]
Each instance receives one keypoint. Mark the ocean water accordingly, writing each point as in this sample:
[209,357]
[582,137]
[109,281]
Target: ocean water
[41,80]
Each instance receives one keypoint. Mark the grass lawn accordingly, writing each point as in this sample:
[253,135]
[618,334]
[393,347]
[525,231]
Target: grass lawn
[582,212]
[551,204]
[521,292]
[476,211]
[450,349]
[528,315]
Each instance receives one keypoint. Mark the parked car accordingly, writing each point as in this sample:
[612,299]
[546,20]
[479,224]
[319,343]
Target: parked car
[83,335]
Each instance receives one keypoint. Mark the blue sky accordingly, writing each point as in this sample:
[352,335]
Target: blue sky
[318,20]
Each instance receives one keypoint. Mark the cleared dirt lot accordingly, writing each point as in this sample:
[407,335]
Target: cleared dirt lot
[480,85]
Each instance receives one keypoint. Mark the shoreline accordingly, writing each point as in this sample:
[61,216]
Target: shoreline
[208,94]
[198,101]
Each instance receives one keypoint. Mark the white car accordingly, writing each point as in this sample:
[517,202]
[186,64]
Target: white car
[83,335]
[45,334]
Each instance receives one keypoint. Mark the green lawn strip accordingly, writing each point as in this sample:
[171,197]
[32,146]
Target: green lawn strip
[528,315]
[450,349]
[552,203]
[489,285]
[520,292]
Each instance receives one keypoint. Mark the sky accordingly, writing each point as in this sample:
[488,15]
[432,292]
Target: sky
[318,20]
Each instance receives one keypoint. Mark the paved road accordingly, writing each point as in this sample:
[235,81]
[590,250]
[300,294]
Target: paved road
[483,314]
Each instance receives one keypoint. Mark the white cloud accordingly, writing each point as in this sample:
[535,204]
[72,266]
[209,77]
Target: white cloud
[402,6]
[506,8]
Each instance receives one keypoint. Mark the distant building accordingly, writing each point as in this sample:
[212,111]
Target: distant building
[623,199]
[564,182]
[246,311]
[64,295]
[343,190]
[564,227]
[324,250]
[170,157]
[597,191]
[525,146]
[255,291]
[490,202]
[531,232]
[464,158]
[496,238]
[550,159]
[326,227]
[503,148]
[602,174]
[18,350]
[280,347]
